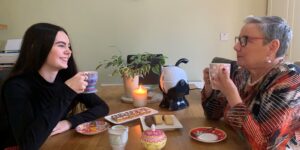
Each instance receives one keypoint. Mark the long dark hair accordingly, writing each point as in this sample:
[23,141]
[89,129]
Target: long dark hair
[37,43]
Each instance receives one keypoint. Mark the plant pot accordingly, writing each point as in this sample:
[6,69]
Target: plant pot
[130,84]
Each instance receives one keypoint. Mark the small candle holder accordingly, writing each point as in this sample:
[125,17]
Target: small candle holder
[139,97]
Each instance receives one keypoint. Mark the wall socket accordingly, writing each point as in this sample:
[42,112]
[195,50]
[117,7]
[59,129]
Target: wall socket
[224,36]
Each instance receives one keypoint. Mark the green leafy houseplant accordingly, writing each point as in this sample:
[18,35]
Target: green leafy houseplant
[140,64]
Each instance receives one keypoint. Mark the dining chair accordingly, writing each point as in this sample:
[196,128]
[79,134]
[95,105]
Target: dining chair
[233,63]
[4,72]
[297,63]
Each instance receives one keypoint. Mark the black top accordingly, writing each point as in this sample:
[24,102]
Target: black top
[31,107]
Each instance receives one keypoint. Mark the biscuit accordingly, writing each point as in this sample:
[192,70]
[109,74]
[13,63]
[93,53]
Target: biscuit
[149,121]
[158,119]
[168,119]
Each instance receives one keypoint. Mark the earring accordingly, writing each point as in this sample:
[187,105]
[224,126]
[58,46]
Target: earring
[268,60]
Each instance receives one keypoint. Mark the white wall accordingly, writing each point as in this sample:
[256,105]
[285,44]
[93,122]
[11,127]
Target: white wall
[290,11]
[101,28]
[296,28]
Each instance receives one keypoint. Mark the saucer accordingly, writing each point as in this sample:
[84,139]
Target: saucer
[208,134]
[153,97]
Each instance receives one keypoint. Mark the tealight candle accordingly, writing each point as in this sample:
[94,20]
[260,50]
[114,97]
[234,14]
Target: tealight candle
[139,97]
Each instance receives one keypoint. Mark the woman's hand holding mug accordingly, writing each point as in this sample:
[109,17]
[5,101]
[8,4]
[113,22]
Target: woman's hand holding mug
[78,82]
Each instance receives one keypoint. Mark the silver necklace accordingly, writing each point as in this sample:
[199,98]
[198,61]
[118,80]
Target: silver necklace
[261,77]
[255,82]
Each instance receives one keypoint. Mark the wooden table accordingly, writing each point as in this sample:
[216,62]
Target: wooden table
[190,117]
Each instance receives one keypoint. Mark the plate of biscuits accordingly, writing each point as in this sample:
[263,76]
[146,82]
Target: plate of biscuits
[163,122]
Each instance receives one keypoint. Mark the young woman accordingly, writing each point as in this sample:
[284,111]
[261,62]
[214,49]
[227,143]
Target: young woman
[42,88]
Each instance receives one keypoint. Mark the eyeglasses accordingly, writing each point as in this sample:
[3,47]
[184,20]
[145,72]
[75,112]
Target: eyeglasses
[243,40]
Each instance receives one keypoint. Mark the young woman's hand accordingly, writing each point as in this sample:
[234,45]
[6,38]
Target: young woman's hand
[61,127]
[78,82]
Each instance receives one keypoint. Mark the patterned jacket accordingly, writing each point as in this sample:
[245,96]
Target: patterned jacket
[269,115]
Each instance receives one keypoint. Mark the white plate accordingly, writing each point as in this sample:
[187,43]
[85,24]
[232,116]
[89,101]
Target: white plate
[152,111]
[176,125]
[153,97]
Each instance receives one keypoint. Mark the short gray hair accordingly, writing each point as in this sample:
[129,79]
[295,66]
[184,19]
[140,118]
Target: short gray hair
[273,27]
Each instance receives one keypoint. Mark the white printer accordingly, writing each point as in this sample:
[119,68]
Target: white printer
[10,53]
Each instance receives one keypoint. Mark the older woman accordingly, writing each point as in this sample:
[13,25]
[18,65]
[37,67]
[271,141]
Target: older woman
[261,100]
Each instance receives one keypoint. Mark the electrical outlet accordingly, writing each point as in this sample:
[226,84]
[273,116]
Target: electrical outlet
[224,36]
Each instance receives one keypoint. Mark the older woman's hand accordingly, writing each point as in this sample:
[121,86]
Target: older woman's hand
[78,82]
[207,85]
[223,82]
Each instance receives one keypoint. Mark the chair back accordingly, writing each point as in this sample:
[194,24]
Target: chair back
[297,66]
[297,63]
[233,63]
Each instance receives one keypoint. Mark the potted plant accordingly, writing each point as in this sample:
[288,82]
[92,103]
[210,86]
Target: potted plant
[139,65]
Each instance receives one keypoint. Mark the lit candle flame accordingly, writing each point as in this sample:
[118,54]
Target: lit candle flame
[140,93]
[140,90]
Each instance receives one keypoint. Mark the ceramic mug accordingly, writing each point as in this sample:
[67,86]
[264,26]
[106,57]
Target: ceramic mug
[214,69]
[92,81]
[118,137]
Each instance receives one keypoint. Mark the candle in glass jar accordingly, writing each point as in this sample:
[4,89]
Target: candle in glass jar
[139,96]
